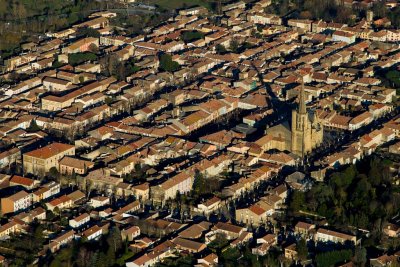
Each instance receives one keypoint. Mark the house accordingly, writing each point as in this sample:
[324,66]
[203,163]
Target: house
[209,206]
[41,160]
[93,233]
[70,165]
[181,183]
[209,260]
[291,252]
[142,191]
[264,244]
[23,181]
[18,201]
[230,231]
[10,228]
[195,231]
[392,230]
[61,241]
[79,221]
[303,229]
[254,215]
[36,214]
[130,233]
[188,245]
[385,260]
[46,191]
[164,250]
[81,45]
[326,235]
[99,201]
[341,36]
[9,157]
[63,202]
[360,121]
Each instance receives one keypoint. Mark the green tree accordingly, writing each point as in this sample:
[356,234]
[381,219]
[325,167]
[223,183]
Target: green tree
[302,250]
[360,256]
[167,64]
[331,258]
[33,127]
[190,36]
[78,58]
[220,49]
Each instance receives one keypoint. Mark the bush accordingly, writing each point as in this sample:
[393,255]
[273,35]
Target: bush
[331,258]
[191,36]
[78,58]
[167,64]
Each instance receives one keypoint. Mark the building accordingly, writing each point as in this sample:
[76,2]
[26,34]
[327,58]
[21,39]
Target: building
[23,181]
[341,36]
[61,241]
[19,201]
[307,131]
[99,201]
[93,233]
[130,233]
[81,45]
[303,135]
[79,221]
[70,165]
[254,215]
[41,160]
[325,235]
[63,202]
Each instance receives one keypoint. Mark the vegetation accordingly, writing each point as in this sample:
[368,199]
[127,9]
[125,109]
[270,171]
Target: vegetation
[87,32]
[342,199]
[104,253]
[33,127]
[25,20]
[167,64]
[79,58]
[220,49]
[178,4]
[110,65]
[190,36]
[187,261]
[331,10]
[332,258]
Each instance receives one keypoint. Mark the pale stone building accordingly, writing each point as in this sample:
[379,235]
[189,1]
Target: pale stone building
[301,136]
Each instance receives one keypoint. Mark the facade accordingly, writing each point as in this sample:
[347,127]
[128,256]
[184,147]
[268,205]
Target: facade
[70,165]
[304,133]
[19,201]
[41,160]
[79,221]
[325,235]
[307,131]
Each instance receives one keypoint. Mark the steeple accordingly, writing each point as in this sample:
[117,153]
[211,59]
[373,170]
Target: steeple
[302,100]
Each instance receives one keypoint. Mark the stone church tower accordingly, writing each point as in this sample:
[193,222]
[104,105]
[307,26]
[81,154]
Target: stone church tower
[307,131]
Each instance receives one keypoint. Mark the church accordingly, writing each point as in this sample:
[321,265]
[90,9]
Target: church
[301,136]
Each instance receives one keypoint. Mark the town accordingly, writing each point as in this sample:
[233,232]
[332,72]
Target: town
[235,138]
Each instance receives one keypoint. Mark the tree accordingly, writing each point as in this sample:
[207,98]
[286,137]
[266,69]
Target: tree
[167,64]
[302,250]
[234,45]
[87,32]
[78,58]
[189,36]
[33,127]
[220,49]
[331,258]
[93,48]
[54,174]
[360,256]
[199,184]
